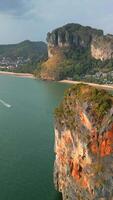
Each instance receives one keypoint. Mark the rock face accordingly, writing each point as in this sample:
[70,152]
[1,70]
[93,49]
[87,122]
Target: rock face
[71,36]
[77,36]
[83,167]
[102,47]
[72,50]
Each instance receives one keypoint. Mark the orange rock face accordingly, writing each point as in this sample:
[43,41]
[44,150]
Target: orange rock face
[75,171]
[103,146]
[85,121]
[84,152]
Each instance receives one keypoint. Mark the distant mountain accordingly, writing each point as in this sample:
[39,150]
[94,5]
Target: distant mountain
[23,55]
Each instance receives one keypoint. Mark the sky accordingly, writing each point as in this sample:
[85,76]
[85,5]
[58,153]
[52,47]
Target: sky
[32,19]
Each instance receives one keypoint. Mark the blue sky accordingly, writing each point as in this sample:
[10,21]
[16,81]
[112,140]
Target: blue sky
[32,19]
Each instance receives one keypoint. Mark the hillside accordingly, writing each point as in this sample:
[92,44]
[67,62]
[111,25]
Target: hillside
[83,53]
[22,57]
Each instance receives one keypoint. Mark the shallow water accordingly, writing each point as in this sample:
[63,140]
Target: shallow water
[27,138]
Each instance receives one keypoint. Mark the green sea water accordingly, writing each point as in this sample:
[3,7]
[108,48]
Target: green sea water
[27,138]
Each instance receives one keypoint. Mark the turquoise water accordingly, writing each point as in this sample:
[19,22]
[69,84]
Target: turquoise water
[27,138]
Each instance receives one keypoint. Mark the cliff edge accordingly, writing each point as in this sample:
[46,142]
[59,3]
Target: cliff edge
[83,168]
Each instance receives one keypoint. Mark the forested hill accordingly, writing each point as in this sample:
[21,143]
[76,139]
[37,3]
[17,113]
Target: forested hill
[23,56]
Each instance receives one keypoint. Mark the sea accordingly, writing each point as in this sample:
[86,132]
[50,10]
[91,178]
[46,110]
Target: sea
[27,138]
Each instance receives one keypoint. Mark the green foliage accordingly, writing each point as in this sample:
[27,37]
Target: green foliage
[99,102]
[77,66]
[25,49]
[34,51]
[82,31]
[78,63]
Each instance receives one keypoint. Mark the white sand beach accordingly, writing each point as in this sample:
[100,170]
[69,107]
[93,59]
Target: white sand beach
[23,75]
[104,86]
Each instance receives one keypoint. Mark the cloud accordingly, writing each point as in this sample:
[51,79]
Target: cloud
[14,7]
[53,13]
[32,19]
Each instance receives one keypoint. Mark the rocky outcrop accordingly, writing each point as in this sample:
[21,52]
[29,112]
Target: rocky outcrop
[71,36]
[76,36]
[72,50]
[102,47]
[83,167]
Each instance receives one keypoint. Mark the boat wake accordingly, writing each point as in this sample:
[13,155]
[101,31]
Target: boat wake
[5,104]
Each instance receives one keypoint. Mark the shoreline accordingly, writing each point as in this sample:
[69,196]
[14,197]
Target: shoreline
[109,87]
[22,75]
[31,76]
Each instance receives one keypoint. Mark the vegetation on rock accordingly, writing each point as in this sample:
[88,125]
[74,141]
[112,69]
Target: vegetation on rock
[72,45]
[84,144]
[98,99]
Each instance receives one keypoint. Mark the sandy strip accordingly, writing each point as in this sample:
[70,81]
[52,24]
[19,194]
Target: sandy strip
[24,75]
[109,87]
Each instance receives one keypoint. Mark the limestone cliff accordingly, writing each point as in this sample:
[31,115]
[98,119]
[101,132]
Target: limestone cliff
[77,36]
[102,47]
[64,45]
[73,36]
[83,167]
[74,51]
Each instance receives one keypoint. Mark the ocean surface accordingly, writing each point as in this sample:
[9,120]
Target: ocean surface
[27,138]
